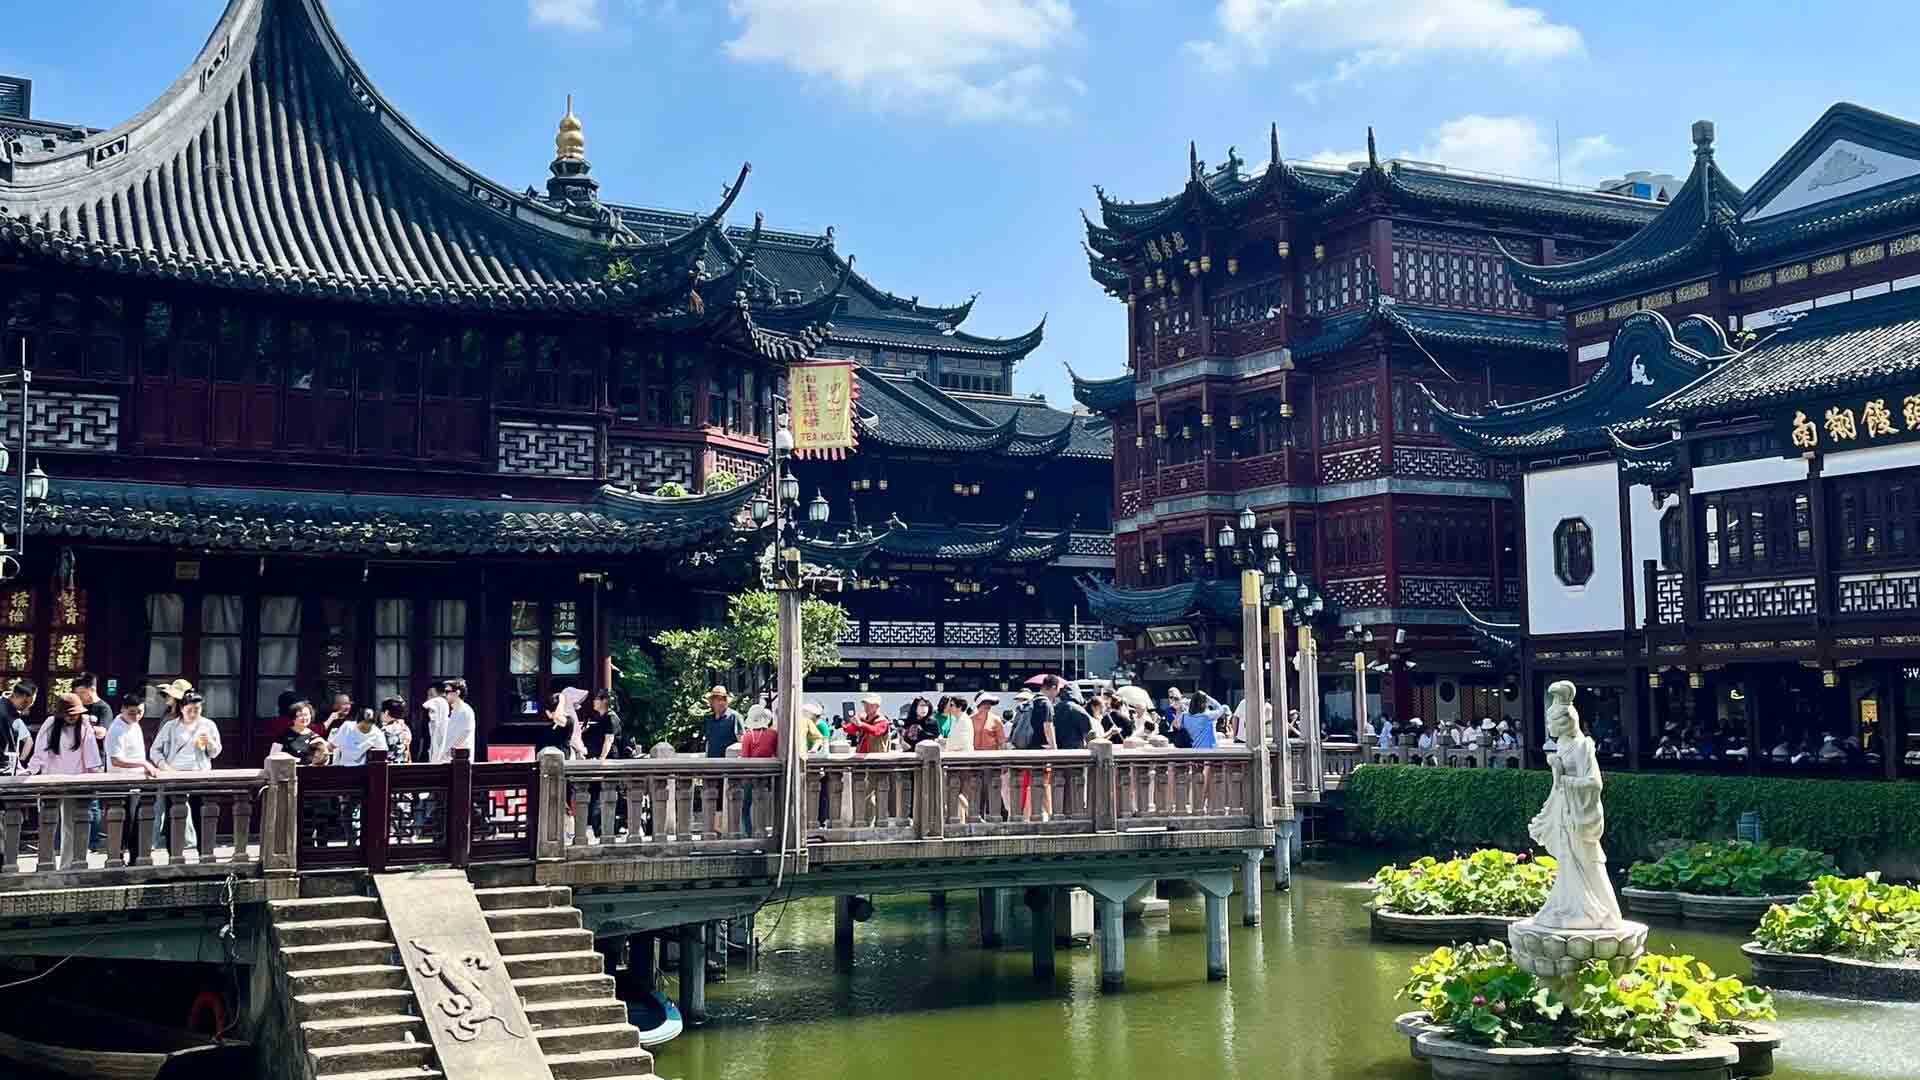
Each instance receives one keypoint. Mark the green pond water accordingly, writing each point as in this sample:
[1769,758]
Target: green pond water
[1310,996]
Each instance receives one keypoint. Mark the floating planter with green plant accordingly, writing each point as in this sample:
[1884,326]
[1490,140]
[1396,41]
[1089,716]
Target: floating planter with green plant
[1726,880]
[1464,899]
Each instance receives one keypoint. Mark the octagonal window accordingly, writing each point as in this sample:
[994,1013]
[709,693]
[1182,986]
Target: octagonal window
[1573,551]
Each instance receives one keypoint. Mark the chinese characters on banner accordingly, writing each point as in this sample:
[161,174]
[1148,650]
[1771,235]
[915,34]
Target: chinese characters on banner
[821,398]
[1874,418]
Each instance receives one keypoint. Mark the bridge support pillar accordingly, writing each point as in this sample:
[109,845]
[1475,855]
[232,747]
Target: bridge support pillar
[1250,886]
[1072,916]
[693,973]
[1283,832]
[937,900]
[1040,903]
[1215,888]
[993,918]
[843,933]
[638,978]
[1113,944]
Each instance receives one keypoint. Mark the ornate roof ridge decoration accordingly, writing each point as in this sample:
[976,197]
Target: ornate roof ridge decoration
[867,330]
[1658,465]
[1895,198]
[1104,396]
[1435,325]
[1828,351]
[1159,606]
[1645,362]
[1701,219]
[848,551]
[1318,194]
[274,164]
[192,518]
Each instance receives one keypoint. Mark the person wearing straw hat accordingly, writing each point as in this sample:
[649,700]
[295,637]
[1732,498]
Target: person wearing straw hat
[723,724]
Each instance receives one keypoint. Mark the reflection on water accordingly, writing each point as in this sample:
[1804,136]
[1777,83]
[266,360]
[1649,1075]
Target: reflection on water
[1309,996]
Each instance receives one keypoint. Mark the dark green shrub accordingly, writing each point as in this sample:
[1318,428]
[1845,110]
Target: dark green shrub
[1447,809]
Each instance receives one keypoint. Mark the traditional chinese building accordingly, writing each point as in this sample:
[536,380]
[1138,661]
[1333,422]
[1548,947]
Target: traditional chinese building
[997,503]
[1280,322]
[324,408]
[1720,539]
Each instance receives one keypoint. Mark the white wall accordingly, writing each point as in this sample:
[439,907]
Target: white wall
[1873,459]
[1745,474]
[1646,517]
[1591,493]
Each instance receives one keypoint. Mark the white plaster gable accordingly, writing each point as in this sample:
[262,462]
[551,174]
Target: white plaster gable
[1843,168]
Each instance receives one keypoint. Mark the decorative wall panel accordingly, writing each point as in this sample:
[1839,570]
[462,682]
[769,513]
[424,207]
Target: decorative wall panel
[531,449]
[1759,599]
[646,466]
[1437,463]
[1360,592]
[1347,465]
[1439,592]
[88,423]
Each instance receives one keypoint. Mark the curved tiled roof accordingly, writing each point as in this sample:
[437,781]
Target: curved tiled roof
[1157,607]
[274,164]
[1318,192]
[1646,361]
[1829,351]
[908,413]
[250,520]
[1104,395]
[1432,325]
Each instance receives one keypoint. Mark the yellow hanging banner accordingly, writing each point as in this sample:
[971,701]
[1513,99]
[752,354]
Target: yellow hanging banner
[821,396]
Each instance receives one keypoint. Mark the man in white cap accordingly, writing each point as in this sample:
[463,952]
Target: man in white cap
[870,730]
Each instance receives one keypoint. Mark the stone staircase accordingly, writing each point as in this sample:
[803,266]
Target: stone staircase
[568,997]
[356,1012]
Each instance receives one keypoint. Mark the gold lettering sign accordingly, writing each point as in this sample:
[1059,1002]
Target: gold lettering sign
[1840,427]
[1162,248]
[1622,309]
[1787,275]
[1656,301]
[1910,411]
[1805,435]
[1906,245]
[1756,282]
[1827,264]
[1695,291]
[1590,317]
[1872,253]
[1878,421]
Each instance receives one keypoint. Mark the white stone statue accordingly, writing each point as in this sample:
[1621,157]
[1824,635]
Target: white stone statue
[1571,824]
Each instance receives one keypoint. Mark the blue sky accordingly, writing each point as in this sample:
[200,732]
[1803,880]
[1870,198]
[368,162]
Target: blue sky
[952,142]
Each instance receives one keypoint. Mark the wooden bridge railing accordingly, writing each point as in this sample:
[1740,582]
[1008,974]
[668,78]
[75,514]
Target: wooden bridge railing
[280,818]
[175,828]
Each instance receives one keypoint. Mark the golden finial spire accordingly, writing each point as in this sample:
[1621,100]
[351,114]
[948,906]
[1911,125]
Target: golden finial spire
[570,144]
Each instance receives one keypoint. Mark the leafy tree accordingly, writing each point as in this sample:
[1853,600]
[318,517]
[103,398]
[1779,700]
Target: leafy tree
[739,653]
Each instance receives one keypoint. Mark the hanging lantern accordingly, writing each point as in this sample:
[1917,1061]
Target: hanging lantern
[883,483]
[1696,680]
[1653,679]
[1286,410]
[1143,566]
[1186,432]
[1319,253]
[1160,559]
[1233,266]
[1206,419]
[1175,287]
[976,489]
[1208,555]
[1829,678]
[1160,277]
[1283,249]
[1030,494]
[1032,590]
[1224,538]
[1247,520]
[1159,430]
[959,488]
[1139,442]
[1206,264]
[1233,422]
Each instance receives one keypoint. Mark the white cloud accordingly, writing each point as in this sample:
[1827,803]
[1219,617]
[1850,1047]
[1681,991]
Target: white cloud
[565,14]
[1374,34]
[970,60]
[1514,145]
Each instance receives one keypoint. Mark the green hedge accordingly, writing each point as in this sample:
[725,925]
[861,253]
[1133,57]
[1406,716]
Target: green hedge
[1442,809]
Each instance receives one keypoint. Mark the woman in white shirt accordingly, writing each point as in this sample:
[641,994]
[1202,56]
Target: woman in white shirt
[351,742]
[186,743]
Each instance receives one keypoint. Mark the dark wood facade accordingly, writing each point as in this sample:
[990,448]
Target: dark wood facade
[1281,325]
